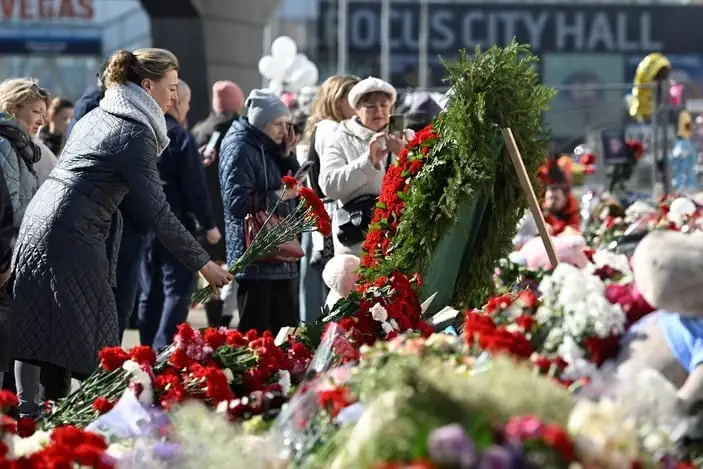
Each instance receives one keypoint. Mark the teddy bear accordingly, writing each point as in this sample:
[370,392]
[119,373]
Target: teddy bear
[569,246]
[340,276]
[666,266]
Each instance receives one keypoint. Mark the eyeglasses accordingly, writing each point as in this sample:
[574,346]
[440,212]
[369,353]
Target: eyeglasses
[41,92]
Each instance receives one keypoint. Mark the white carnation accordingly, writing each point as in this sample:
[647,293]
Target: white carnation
[379,313]
[284,381]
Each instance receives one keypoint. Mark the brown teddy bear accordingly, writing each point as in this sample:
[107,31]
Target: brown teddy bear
[668,271]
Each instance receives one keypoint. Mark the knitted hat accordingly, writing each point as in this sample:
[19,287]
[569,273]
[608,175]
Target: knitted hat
[227,98]
[667,271]
[263,107]
[370,85]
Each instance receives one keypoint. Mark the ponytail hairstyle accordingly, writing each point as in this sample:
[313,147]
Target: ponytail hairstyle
[150,63]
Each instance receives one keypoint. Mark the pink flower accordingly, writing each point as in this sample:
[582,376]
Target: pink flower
[524,428]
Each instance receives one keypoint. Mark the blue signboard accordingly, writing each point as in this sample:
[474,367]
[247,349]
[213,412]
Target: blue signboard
[611,32]
[50,40]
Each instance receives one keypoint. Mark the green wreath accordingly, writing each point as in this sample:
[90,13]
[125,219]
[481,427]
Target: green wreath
[461,209]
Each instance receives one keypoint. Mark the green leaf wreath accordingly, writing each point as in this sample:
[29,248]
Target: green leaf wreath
[468,182]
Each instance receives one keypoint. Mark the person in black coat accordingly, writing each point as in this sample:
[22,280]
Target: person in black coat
[166,284]
[7,234]
[133,241]
[64,308]
[227,105]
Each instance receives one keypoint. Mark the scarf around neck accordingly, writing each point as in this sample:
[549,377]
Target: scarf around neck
[131,101]
[20,140]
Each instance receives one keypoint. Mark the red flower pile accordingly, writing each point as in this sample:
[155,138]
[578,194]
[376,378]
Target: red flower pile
[396,298]
[505,325]
[316,208]
[219,365]
[481,331]
[213,365]
[69,446]
[389,209]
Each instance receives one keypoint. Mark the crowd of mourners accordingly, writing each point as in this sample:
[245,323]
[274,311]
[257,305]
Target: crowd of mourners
[111,206]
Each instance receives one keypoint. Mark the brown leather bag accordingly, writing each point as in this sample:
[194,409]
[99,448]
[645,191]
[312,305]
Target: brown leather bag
[290,251]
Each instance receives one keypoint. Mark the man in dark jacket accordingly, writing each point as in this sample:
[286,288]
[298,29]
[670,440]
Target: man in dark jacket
[166,284]
[133,233]
[227,104]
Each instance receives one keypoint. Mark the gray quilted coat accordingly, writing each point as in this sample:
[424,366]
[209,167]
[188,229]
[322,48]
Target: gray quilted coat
[64,309]
[22,182]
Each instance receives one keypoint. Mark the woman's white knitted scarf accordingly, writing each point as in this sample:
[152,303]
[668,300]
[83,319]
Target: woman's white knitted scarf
[131,101]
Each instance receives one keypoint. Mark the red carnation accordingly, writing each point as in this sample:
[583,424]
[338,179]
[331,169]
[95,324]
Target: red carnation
[112,358]
[235,339]
[557,438]
[143,354]
[26,426]
[185,334]
[102,405]
[599,350]
[215,338]
[335,400]
[317,208]
[526,322]
[289,182]
[8,400]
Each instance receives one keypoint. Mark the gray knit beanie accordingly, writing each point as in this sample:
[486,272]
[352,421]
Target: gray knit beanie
[263,107]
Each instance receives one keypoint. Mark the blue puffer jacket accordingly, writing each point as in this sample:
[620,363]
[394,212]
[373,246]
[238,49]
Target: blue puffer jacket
[251,168]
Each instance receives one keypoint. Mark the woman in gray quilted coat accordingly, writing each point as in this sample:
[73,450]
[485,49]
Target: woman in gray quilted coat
[64,311]
[22,108]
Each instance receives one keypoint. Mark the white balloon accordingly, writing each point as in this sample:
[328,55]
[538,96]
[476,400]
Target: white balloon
[275,87]
[269,68]
[307,76]
[284,50]
[301,61]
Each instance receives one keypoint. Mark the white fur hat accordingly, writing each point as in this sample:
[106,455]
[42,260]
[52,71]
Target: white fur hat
[370,85]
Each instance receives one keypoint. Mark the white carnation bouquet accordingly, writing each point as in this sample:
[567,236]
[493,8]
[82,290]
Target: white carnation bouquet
[573,310]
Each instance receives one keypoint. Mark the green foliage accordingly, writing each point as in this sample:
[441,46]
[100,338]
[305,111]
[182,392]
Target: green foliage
[413,395]
[492,90]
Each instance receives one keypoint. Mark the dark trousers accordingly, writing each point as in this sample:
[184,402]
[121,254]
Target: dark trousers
[166,287]
[267,304]
[130,258]
[56,380]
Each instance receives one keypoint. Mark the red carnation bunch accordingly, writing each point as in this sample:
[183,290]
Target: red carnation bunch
[316,208]
[388,306]
[391,202]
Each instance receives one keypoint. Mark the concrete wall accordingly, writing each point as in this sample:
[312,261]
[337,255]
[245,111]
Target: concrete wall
[214,40]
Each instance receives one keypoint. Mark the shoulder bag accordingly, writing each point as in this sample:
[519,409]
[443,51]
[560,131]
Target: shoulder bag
[354,217]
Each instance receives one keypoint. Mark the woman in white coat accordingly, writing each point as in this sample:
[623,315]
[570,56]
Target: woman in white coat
[354,163]
[328,110]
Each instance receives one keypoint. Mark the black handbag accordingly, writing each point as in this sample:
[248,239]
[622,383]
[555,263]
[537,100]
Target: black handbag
[354,218]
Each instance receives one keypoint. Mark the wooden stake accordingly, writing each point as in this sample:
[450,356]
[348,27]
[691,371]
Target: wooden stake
[529,191]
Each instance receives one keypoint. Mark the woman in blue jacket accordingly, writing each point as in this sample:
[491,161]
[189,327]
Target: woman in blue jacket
[256,153]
